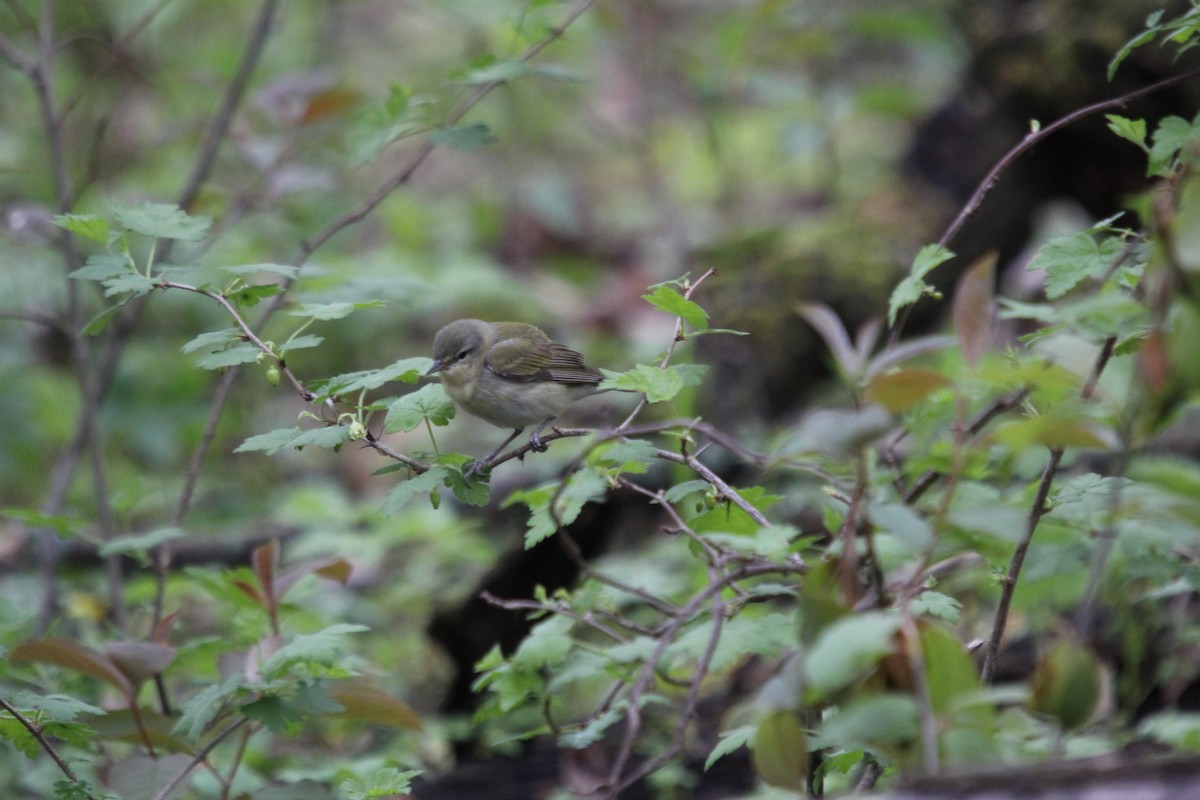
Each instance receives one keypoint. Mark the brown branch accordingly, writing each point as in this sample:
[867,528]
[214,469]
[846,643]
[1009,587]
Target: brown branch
[200,758]
[36,732]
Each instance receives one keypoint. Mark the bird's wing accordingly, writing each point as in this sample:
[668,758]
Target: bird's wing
[523,359]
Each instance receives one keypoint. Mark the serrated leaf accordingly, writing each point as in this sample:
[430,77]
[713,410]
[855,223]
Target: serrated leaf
[162,221]
[914,287]
[410,411]
[269,443]
[102,267]
[250,296]
[730,741]
[330,436]
[671,301]
[400,494]
[657,383]
[89,226]
[1173,135]
[324,647]
[244,353]
[1133,130]
[473,491]
[203,708]
[407,370]
[1069,260]
[212,340]
[466,138]
[133,282]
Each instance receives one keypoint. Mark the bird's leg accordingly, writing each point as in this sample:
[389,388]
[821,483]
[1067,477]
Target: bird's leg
[535,438]
[476,467]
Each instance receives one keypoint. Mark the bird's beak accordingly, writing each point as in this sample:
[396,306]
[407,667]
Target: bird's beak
[437,367]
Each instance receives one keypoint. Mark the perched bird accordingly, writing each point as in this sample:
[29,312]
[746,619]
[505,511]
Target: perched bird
[510,374]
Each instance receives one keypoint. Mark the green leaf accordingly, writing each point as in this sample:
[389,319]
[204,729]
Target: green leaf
[728,517]
[98,323]
[1070,259]
[407,370]
[1173,136]
[869,721]
[325,648]
[400,494]
[780,752]
[580,487]
[501,71]
[269,443]
[162,221]
[410,411]
[1133,130]
[243,353]
[53,707]
[466,138]
[657,383]
[331,311]
[1179,729]
[286,270]
[89,226]
[300,343]
[212,340]
[914,287]
[250,296]
[546,645]
[730,741]
[936,604]
[102,267]
[671,301]
[141,544]
[129,282]
[62,525]
[330,436]
[847,648]
[902,522]
[473,491]
[202,708]
[384,782]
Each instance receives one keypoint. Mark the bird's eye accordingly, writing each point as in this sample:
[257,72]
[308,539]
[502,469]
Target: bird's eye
[463,354]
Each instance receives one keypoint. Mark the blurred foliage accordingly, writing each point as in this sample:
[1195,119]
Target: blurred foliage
[231,522]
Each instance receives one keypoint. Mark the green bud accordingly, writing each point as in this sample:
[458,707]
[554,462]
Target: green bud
[357,431]
[273,375]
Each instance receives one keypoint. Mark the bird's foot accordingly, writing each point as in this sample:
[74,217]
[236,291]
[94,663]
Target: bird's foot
[480,468]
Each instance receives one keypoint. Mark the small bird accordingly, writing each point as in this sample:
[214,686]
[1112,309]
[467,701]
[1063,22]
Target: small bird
[510,374]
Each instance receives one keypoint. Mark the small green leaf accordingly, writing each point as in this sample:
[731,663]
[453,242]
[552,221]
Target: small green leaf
[250,296]
[89,226]
[465,139]
[1133,130]
[730,741]
[902,522]
[300,343]
[501,71]
[162,221]
[141,544]
[914,287]
[671,301]
[780,752]
[407,370]
[331,311]
[330,436]
[410,411]
[98,323]
[1173,136]
[474,491]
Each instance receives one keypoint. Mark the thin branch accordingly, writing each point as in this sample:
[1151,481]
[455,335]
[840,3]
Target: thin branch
[200,758]
[925,712]
[1036,511]
[405,173]
[45,744]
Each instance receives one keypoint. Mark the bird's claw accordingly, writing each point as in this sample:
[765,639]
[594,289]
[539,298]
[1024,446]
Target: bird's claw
[479,468]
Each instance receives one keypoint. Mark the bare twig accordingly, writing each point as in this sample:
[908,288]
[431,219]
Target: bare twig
[200,758]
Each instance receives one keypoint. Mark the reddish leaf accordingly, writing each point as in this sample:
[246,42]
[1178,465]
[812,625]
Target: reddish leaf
[251,591]
[164,627]
[71,655]
[901,390]
[264,559]
[139,661]
[334,569]
[329,103]
[364,703]
[973,303]
[1154,363]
